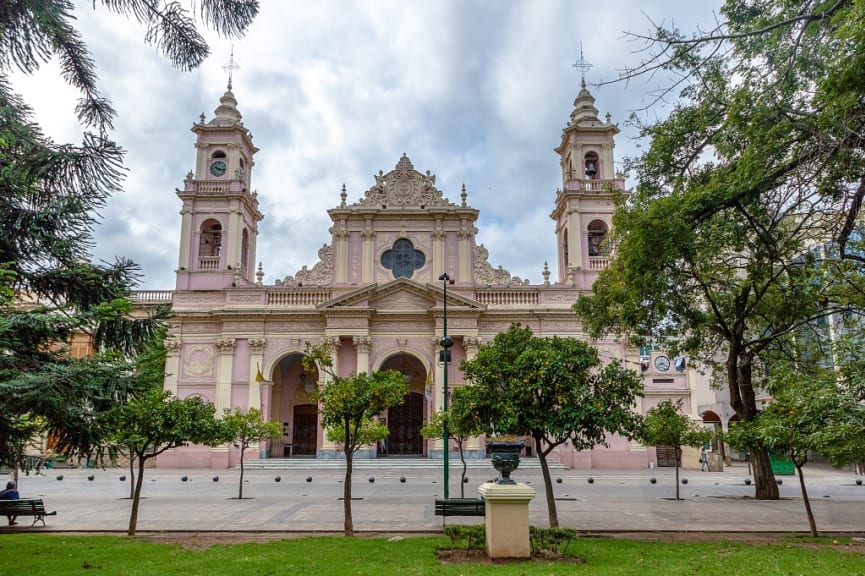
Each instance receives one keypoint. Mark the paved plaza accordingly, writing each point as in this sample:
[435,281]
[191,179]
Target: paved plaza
[614,500]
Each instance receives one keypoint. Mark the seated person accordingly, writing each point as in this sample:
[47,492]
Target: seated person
[11,493]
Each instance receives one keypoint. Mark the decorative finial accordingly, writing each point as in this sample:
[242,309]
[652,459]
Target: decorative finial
[546,273]
[231,67]
[259,275]
[464,195]
[201,118]
[583,65]
[343,196]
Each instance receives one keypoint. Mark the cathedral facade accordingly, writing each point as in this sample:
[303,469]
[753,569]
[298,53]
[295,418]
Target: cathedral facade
[402,259]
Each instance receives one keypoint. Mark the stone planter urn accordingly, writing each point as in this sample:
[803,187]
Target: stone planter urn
[505,457]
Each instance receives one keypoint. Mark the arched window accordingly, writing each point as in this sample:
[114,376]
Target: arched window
[597,233]
[244,250]
[590,165]
[210,245]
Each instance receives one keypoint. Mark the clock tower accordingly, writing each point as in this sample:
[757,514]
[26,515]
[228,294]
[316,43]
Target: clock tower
[220,213]
[586,200]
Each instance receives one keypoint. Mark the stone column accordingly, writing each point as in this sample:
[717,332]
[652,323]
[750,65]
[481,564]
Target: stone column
[367,255]
[172,364]
[465,236]
[438,250]
[470,344]
[507,519]
[223,374]
[362,345]
[340,253]
[183,261]
[256,356]
[333,343]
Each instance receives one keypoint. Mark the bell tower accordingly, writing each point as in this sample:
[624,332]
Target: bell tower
[220,214]
[590,188]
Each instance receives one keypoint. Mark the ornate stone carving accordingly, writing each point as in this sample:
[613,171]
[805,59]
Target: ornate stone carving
[201,328]
[320,275]
[256,345]
[471,343]
[404,186]
[225,345]
[331,342]
[486,274]
[198,360]
[362,344]
[402,343]
[172,344]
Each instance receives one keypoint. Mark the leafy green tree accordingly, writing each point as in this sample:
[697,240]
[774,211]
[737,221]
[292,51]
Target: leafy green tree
[349,405]
[50,197]
[666,425]
[245,429]
[555,390]
[460,429]
[811,411]
[756,170]
[156,421]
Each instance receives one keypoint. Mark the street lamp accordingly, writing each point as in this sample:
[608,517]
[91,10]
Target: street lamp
[446,343]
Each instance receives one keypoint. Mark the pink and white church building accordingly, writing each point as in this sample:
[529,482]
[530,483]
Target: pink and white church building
[375,295]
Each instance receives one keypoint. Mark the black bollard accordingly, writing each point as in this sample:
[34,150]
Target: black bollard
[558,480]
[684,480]
[653,480]
[91,477]
[402,479]
[309,478]
[216,478]
[590,480]
[184,478]
[123,478]
[371,479]
[60,476]
[278,479]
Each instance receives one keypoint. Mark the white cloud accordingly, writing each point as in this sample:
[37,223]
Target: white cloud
[475,91]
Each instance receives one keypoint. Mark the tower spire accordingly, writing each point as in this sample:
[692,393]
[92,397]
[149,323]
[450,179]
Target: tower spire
[231,67]
[583,65]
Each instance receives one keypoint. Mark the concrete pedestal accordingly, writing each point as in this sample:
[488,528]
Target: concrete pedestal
[507,519]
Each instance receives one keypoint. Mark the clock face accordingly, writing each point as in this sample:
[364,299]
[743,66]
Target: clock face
[662,363]
[217,168]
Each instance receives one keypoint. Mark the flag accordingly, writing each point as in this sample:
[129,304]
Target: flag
[258,375]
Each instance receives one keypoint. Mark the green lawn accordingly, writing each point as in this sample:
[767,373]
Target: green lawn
[58,555]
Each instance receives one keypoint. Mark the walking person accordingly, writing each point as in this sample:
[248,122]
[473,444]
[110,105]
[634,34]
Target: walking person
[704,460]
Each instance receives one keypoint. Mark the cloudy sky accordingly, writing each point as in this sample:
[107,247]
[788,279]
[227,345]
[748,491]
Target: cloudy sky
[475,91]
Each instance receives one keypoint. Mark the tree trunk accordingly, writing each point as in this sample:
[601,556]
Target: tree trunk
[346,494]
[678,463]
[240,490]
[131,475]
[765,487]
[812,524]
[136,497]
[744,402]
[463,476]
[548,484]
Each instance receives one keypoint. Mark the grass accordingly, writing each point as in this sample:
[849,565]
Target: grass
[58,555]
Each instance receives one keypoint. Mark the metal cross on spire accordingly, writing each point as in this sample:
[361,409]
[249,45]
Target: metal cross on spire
[231,66]
[583,65]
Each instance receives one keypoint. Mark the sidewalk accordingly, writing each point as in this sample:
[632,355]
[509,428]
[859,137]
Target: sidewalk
[588,500]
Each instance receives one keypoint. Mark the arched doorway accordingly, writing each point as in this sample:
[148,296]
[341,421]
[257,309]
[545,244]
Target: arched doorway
[293,407]
[404,421]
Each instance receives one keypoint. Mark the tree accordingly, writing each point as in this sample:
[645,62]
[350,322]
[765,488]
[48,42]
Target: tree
[244,429]
[460,426]
[50,197]
[349,405]
[552,389]
[811,411]
[758,166]
[157,421]
[666,425]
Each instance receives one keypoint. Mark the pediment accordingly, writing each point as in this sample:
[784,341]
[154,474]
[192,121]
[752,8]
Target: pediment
[402,295]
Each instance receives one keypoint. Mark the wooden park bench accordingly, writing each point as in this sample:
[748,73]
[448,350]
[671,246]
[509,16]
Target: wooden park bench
[460,507]
[25,507]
